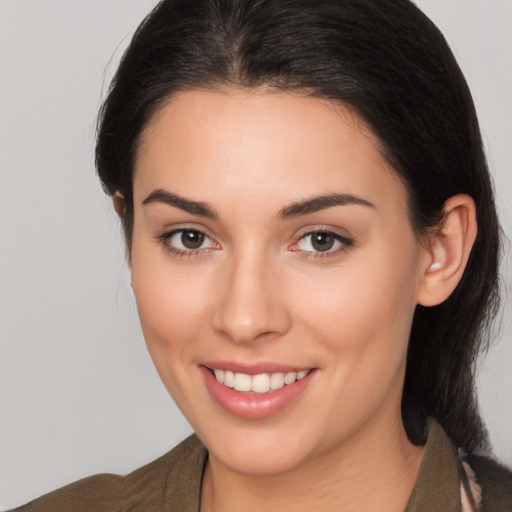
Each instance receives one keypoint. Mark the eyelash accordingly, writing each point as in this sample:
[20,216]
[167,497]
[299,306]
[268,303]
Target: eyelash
[165,238]
[345,242]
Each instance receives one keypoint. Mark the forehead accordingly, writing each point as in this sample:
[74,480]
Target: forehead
[281,146]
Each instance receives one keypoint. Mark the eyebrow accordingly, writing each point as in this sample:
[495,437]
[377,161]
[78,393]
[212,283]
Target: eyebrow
[296,209]
[318,203]
[187,205]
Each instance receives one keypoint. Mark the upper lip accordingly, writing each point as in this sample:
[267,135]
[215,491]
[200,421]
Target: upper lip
[253,368]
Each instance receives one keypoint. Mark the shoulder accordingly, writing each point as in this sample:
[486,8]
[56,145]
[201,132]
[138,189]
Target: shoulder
[174,477]
[495,481]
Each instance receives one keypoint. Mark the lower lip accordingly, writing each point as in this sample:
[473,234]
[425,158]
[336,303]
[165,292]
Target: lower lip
[253,406]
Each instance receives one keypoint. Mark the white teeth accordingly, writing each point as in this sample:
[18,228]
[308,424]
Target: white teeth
[276,381]
[219,375]
[242,382]
[261,383]
[229,379]
[290,378]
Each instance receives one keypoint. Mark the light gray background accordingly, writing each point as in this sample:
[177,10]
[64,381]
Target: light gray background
[78,393]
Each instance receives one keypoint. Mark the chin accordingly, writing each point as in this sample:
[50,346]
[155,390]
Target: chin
[256,460]
[260,450]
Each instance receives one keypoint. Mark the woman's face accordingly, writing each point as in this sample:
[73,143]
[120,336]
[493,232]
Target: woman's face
[271,241]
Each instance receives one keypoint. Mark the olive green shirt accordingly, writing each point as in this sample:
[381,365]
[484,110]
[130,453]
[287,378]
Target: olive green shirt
[172,483]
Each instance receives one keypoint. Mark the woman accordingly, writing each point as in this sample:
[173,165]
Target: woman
[310,226]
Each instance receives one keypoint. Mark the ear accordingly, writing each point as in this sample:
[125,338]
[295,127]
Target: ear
[447,251]
[119,204]
[120,208]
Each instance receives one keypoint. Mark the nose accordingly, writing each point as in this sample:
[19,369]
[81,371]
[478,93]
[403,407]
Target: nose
[250,306]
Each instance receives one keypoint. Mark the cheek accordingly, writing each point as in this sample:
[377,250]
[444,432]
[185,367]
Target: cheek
[173,307]
[356,306]
[361,324]
[361,314]
[167,307]
[174,315]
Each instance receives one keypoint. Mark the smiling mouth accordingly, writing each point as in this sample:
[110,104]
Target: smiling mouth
[260,383]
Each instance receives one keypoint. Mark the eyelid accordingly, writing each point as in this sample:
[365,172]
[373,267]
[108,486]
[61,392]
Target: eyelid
[322,228]
[169,229]
[164,237]
[346,241]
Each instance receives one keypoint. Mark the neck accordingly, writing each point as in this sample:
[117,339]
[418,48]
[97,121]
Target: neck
[373,470]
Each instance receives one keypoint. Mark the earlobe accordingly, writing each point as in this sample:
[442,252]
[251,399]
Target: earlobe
[448,251]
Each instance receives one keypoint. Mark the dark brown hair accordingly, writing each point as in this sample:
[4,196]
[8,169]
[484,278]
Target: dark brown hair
[389,63]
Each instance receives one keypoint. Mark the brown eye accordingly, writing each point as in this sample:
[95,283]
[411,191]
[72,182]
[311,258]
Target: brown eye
[327,242]
[192,239]
[187,241]
[322,241]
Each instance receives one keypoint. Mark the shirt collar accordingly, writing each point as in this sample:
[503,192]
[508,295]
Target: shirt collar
[438,484]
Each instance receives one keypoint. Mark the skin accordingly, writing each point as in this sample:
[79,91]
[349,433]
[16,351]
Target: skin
[257,290]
